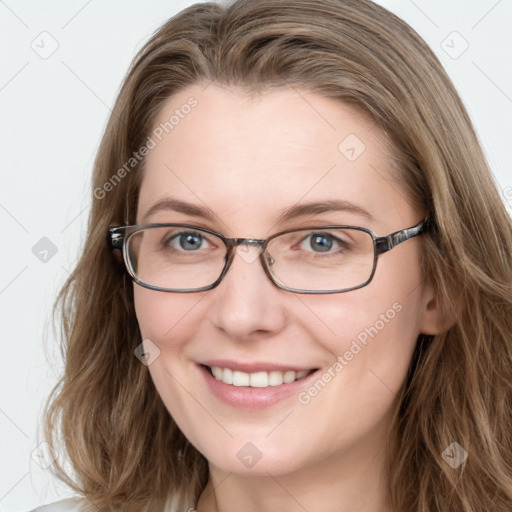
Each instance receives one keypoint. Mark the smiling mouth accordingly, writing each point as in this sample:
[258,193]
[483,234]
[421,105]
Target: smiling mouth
[260,379]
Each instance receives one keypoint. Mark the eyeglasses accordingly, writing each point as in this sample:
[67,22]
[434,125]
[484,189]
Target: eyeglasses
[186,258]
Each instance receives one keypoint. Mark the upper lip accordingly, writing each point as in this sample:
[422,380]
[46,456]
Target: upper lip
[254,366]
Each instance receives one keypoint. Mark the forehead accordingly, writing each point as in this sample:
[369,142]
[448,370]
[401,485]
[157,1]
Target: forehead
[249,156]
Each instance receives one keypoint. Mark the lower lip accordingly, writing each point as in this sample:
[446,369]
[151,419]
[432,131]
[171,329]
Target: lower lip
[252,398]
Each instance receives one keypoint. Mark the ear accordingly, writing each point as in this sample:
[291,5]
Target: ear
[435,317]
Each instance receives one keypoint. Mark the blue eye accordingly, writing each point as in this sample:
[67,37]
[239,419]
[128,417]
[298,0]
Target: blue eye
[188,241]
[321,242]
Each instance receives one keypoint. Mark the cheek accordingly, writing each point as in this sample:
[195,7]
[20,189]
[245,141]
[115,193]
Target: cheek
[374,329]
[167,319]
[164,317]
[336,322]
[369,358]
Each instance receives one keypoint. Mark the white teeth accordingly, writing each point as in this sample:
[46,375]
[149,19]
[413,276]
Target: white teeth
[257,379]
[289,377]
[275,378]
[240,378]
[226,375]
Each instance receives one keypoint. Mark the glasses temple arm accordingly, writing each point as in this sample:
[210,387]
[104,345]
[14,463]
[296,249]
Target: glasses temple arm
[386,243]
[115,238]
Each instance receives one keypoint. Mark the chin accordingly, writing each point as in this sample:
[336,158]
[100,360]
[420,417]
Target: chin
[244,457]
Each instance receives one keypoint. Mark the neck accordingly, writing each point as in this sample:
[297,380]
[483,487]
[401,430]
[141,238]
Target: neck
[346,482]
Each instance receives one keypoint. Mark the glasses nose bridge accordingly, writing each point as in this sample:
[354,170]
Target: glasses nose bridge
[235,242]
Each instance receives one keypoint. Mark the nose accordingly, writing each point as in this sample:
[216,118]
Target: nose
[246,304]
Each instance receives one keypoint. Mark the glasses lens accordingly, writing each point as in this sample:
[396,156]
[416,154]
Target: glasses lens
[316,260]
[175,258]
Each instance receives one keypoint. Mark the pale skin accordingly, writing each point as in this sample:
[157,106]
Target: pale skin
[247,159]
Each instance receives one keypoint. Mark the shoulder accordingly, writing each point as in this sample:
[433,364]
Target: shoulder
[67,505]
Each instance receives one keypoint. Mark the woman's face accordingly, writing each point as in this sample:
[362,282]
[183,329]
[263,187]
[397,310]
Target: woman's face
[246,161]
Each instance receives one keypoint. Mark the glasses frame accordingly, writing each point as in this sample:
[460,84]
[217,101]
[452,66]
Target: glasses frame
[118,237]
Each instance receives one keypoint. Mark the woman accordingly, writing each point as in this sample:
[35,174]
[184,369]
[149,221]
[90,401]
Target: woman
[304,300]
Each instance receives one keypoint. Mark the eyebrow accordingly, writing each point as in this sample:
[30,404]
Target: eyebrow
[298,210]
[180,207]
[315,208]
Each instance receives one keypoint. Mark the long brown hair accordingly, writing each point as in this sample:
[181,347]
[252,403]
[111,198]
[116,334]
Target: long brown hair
[105,414]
